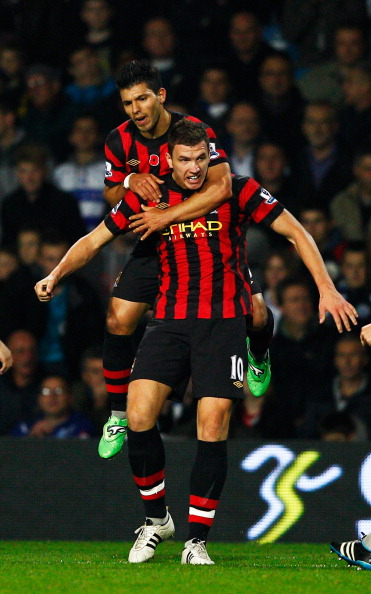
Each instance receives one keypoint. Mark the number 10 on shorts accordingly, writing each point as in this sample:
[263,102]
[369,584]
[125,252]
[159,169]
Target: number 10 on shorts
[236,368]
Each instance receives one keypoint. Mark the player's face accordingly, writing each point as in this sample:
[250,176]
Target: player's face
[144,107]
[189,164]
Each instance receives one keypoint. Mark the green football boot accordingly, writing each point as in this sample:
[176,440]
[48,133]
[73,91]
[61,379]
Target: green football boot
[112,440]
[258,374]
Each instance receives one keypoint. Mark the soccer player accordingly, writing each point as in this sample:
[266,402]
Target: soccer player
[198,329]
[135,153]
[357,552]
[6,359]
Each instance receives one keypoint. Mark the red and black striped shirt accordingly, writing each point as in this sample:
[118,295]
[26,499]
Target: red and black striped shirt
[127,151]
[203,265]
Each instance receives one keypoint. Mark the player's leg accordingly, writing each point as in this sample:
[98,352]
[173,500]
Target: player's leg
[259,338]
[135,288]
[157,370]
[355,552]
[217,368]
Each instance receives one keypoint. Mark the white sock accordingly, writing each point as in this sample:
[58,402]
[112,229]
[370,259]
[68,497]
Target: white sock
[120,414]
[159,521]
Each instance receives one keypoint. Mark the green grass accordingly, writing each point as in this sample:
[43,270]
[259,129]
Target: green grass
[102,567]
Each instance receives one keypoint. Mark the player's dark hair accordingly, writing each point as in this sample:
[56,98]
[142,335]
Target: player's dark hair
[188,133]
[136,72]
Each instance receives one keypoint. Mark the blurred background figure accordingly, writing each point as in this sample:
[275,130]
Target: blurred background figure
[47,119]
[82,174]
[28,242]
[322,167]
[354,283]
[11,138]
[347,391]
[9,263]
[56,415]
[324,81]
[12,64]
[99,33]
[41,203]
[338,426]
[277,266]
[90,393]
[6,358]
[214,98]
[355,115]
[20,385]
[243,134]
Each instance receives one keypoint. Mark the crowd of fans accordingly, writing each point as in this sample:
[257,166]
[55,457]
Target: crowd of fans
[287,88]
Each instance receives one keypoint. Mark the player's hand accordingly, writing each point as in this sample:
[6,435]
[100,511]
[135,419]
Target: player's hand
[366,335]
[6,359]
[146,186]
[344,313]
[44,288]
[150,220]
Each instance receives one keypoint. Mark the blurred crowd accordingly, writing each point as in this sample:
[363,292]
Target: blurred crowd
[286,85]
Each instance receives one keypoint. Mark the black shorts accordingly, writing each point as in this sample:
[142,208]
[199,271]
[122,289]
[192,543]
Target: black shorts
[138,281]
[212,352]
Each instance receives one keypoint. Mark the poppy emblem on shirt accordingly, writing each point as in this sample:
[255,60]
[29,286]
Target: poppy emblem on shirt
[154,160]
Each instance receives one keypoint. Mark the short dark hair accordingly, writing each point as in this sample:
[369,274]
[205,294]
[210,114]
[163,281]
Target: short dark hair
[187,132]
[291,281]
[139,71]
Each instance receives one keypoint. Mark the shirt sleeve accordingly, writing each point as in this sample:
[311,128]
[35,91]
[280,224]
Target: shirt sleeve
[116,170]
[117,221]
[258,204]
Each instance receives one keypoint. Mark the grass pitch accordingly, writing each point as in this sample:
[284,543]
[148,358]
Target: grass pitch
[102,567]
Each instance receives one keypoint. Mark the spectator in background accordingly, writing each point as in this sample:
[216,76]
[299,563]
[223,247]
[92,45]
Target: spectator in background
[214,98]
[82,174]
[90,392]
[301,350]
[324,81]
[41,203]
[272,171]
[354,283]
[161,49]
[19,387]
[12,64]
[48,118]
[322,167]
[90,84]
[246,53]
[278,266]
[317,221]
[311,25]
[355,115]
[348,392]
[11,138]
[280,102]
[28,243]
[97,17]
[57,417]
[6,359]
[338,426]
[351,207]
[243,132]
[9,263]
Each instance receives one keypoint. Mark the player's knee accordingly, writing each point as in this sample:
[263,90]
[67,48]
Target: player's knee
[137,421]
[213,430]
[117,324]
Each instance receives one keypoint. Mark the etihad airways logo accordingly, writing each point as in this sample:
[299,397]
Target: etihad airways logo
[192,229]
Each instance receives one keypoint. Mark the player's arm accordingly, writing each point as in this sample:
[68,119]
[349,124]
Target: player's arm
[77,256]
[216,190]
[366,335]
[145,185]
[6,358]
[330,299]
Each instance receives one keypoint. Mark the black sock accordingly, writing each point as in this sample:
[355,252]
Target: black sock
[207,480]
[118,357]
[260,340]
[147,461]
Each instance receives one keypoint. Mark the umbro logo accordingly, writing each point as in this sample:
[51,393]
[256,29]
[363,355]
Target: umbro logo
[238,384]
[162,205]
[256,370]
[132,162]
[115,429]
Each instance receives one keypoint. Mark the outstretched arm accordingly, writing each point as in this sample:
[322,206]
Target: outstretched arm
[77,256]
[145,185]
[216,190]
[330,299]
[366,335]
[6,358]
